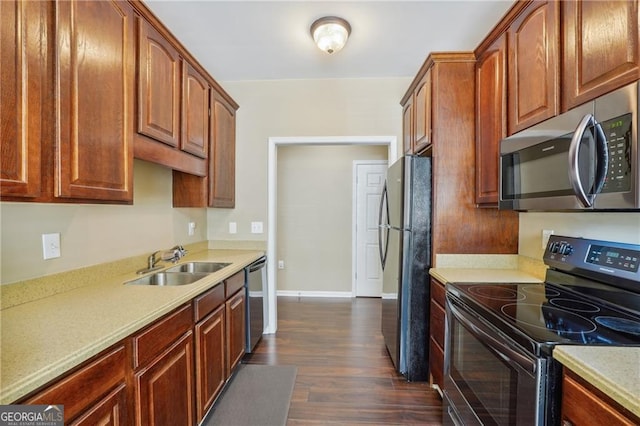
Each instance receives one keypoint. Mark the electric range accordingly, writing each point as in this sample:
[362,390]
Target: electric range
[500,337]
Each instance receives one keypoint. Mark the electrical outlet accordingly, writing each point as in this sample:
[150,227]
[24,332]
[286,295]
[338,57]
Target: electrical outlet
[233,227]
[256,227]
[280,264]
[192,228]
[546,233]
[50,246]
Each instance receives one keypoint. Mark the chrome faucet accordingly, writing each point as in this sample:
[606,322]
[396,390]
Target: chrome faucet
[172,255]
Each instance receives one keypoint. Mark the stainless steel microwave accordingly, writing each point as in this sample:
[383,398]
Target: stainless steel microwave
[584,159]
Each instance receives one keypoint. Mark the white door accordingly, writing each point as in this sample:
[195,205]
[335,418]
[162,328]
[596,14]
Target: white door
[368,270]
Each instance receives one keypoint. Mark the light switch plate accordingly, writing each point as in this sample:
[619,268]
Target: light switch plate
[256,227]
[50,246]
[233,227]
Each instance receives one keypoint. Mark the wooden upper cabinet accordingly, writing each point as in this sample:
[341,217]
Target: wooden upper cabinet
[195,112]
[416,115]
[491,118]
[601,48]
[22,50]
[158,86]
[222,164]
[94,95]
[533,39]
[408,136]
[422,107]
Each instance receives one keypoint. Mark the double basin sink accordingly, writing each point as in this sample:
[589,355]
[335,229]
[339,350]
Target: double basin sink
[186,273]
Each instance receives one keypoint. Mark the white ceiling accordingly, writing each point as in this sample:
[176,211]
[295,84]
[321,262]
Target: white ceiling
[265,40]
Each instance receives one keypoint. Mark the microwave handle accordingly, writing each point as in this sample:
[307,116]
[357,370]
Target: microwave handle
[601,163]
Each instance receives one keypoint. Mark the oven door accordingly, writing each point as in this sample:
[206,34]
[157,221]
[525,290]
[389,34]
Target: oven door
[488,380]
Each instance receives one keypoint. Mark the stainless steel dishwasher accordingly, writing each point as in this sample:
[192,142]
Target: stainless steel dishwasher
[255,279]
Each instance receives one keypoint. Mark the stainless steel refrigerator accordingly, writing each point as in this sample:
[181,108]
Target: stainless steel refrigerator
[405,251]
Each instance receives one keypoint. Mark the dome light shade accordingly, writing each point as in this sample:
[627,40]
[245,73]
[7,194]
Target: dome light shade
[330,33]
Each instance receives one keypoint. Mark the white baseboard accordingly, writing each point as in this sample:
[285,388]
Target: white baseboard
[294,293]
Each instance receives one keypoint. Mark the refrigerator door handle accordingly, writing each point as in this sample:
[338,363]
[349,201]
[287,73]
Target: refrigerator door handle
[383,226]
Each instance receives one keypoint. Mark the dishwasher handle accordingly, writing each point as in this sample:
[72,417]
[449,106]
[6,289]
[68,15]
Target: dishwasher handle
[258,264]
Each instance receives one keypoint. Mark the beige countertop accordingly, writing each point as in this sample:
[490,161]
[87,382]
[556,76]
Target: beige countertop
[45,338]
[463,275]
[613,370]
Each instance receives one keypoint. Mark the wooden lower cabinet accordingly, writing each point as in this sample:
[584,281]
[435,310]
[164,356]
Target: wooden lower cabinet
[235,325]
[96,390]
[583,404]
[110,411]
[211,375]
[436,332]
[164,388]
[169,373]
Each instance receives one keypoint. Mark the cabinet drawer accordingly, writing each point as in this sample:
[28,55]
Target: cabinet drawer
[437,318]
[437,292]
[208,301]
[233,284]
[86,385]
[151,341]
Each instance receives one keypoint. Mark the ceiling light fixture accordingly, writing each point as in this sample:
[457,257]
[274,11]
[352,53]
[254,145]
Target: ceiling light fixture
[330,33]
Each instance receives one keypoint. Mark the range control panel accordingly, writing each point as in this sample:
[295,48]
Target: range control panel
[613,257]
[604,260]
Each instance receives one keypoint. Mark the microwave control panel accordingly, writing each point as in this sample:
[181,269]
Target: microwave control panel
[618,133]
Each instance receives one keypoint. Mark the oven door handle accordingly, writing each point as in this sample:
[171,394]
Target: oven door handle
[509,354]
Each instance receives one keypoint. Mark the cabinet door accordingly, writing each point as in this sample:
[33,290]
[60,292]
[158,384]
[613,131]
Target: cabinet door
[222,164]
[533,65]
[407,126]
[94,94]
[23,55]
[195,112]
[110,411]
[164,388]
[601,48]
[235,324]
[436,332]
[158,86]
[491,119]
[422,108]
[210,359]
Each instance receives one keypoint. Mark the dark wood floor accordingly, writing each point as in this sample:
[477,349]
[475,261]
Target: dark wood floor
[345,375]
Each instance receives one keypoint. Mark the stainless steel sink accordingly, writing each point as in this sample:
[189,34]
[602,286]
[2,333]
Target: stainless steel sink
[199,267]
[168,279]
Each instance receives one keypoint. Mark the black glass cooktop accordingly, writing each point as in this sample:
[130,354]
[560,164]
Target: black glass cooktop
[541,315]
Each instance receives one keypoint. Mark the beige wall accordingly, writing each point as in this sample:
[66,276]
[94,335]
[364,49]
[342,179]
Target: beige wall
[622,227]
[315,215]
[93,234]
[280,108]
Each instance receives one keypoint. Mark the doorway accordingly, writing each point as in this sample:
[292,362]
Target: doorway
[274,143]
